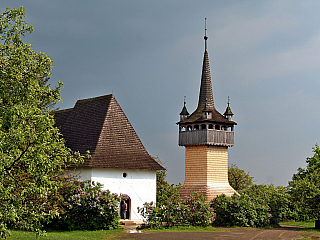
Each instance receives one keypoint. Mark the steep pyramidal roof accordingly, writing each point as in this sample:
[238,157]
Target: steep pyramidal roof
[206,94]
[184,110]
[100,126]
[206,101]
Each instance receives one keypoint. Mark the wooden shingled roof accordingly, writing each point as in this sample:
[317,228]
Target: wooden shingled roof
[206,99]
[100,126]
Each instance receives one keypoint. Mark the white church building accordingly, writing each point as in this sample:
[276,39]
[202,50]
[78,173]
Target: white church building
[118,159]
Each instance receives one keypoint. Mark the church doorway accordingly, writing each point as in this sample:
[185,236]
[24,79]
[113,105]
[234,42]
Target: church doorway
[125,207]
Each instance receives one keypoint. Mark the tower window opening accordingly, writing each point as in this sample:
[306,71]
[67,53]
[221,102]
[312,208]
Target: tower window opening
[196,127]
[210,126]
[189,128]
[183,129]
[124,174]
[217,127]
[203,126]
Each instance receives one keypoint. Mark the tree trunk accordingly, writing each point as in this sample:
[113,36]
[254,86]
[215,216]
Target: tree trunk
[317,225]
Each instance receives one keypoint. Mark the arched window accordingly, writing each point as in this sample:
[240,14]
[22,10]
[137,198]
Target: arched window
[217,127]
[196,127]
[203,126]
[210,126]
[183,129]
[189,128]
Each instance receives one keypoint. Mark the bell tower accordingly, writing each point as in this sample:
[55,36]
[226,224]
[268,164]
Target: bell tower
[206,135]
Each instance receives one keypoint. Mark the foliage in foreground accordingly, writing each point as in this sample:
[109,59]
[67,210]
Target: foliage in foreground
[85,206]
[305,189]
[258,206]
[171,210]
[192,211]
[31,151]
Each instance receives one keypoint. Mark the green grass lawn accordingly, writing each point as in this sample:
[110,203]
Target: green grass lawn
[184,229]
[61,235]
[299,224]
[308,225]
[103,234]
[107,234]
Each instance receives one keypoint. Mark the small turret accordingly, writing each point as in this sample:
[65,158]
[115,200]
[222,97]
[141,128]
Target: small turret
[228,113]
[184,112]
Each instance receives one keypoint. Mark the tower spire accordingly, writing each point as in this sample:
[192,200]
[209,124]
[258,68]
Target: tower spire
[206,94]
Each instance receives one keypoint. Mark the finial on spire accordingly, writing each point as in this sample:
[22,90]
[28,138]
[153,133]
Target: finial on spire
[205,34]
[184,101]
[228,101]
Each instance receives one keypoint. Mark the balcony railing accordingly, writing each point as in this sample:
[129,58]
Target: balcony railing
[206,137]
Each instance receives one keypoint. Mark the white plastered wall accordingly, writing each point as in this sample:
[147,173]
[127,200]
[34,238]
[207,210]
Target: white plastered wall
[139,185]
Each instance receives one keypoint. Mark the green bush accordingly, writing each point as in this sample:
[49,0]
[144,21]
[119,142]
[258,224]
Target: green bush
[87,207]
[258,206]
[192,211]
[277,198]
[242,211]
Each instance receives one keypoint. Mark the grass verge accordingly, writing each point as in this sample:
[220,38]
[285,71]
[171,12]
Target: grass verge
[299,224]
[65,235]
[309,226]
[184,229]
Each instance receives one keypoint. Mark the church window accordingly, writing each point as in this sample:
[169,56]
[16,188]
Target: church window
[124,174]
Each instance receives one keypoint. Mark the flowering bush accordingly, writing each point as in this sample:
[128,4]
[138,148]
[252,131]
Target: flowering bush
[150,213]
[192,211]
[277,198]
[88,207]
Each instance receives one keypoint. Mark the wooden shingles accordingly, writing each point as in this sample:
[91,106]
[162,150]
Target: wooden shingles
[100,126]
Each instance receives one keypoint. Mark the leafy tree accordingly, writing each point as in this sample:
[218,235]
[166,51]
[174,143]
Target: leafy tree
[238,178]
[32,154]
[305,189]
[164,189]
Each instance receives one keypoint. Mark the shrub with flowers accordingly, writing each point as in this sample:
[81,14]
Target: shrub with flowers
[195,211]
[173,211]
[192,211]
[88,207]
[277,198]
